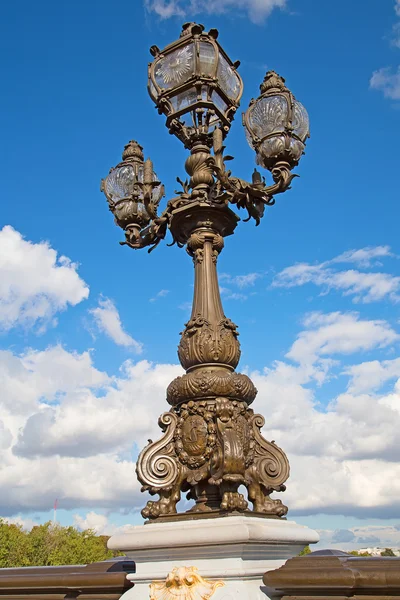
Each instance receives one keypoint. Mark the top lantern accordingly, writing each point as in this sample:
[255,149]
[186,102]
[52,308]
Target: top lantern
[194,83]
[276,124]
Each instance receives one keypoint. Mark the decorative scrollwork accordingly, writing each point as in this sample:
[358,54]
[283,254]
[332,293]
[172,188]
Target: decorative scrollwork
[251,196]
[210,448]
[157,466]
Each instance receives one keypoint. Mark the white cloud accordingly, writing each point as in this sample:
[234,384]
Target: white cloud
[369,376]
[371,537]
[63,420]
[100,523]
[363,257]
[364,287]
[387,81]
[160,294]
[241,281]
[35,284]
[108,321]
[92,520]
[339,333]
[86,423]
[66,421]
[257,10]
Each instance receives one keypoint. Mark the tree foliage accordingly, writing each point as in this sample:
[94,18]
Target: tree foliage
[50,545]
[305,551]
[388,552]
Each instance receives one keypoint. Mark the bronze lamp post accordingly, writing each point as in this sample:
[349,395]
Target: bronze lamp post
[212,442]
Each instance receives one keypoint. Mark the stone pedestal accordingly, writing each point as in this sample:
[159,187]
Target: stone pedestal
[223,558]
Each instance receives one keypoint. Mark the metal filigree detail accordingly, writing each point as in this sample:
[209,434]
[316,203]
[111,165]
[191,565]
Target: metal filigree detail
[212,442]
[184,583]
[210,448]
[206,342]
[208,383]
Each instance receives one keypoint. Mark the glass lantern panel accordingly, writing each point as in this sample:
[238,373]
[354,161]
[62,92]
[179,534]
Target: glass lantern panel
[296,148]
[268,115]
[300,121]
[228,80]
[249,138]
[207,59]
[218,102]
[184,99]
[175,68]
[273,146]
[120,183]
[152,91]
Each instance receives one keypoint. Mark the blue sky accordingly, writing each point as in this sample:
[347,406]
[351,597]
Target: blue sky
[89,343]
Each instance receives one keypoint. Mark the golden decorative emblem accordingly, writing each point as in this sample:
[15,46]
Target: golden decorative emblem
[184,583]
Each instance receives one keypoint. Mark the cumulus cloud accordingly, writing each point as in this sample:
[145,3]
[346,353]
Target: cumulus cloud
[100,523]
[92,520]
[108,321]
[387,81]
[63,421]
[371,375]
[364,287]
[68,421]
[35,283]
[87,423]
[257,10]
[339,333]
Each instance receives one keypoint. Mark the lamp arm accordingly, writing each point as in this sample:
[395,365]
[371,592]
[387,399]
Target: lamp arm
[157,229]
[251,196]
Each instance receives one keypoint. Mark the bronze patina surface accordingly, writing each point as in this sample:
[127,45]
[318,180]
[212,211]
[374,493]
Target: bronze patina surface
[212,442]
[98,581]
[318,577]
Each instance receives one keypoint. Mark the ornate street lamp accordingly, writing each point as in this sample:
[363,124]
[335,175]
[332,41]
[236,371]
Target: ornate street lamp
[212,442]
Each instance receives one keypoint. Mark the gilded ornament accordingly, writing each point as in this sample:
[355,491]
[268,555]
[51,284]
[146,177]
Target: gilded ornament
[184,583]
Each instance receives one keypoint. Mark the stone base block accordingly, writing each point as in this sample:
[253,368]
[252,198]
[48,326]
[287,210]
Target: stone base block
[219,559]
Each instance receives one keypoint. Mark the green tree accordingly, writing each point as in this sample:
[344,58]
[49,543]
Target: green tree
[305,551]
[388,552]
[49,544]
[14,546]
[356,553]
[55,545]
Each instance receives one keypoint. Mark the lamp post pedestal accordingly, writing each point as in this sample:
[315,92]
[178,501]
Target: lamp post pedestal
[223,558]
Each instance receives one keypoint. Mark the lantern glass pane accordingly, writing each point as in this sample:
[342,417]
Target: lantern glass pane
[273,146]
[228,79]
[207,59]
[296,148]
[249,137]
[175,68]
[218,102]
[268,115]
[152,91]
[184,100]
[120,183]
[300,121]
